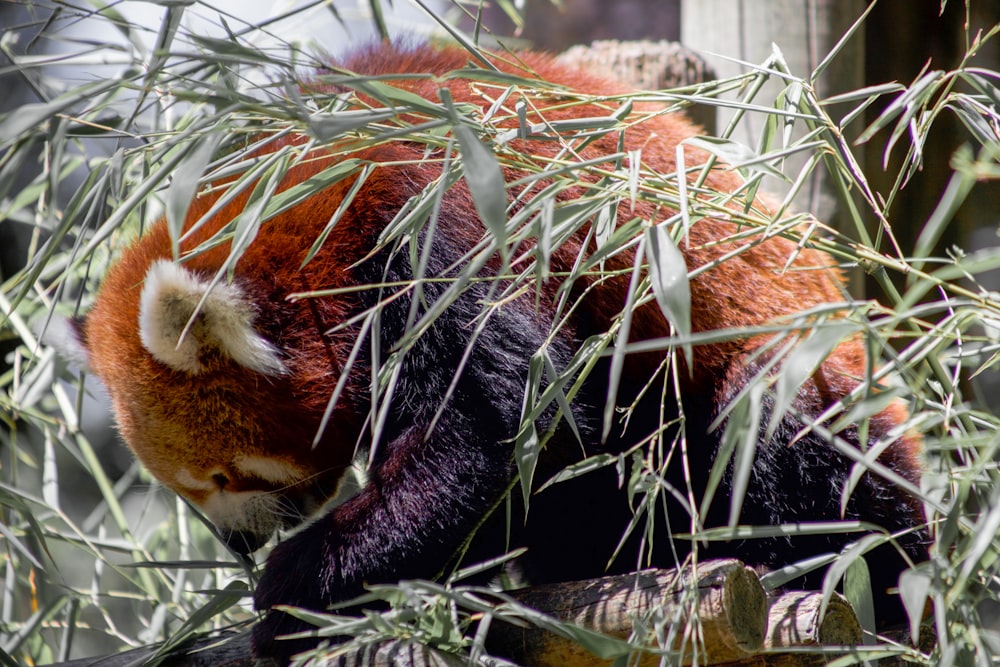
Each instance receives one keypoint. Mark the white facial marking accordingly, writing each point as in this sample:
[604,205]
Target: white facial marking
[189,481]
[269,469]
[180,316]
[250,511]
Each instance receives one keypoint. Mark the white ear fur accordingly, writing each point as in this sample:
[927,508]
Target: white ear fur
[170,299]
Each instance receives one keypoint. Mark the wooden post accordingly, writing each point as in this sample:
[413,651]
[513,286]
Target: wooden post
[805,31]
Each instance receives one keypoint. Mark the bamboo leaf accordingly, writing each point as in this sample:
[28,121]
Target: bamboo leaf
[958,188]
[669,280]
[378,19]
[527,445]
[858,591]
[579,469]
[486,182]
[736,155]
[337,173]
[329,126]
[914,590]
[743,428]
[28,117]
[184,183]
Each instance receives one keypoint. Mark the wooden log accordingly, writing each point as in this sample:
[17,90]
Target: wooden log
[794,620]
[734,621]
[725,596]
[794,623]
[648,65]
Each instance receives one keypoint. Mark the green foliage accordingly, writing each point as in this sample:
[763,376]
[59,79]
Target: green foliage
[98,557]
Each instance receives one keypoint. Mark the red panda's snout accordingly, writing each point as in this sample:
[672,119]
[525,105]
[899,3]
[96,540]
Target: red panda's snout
[253,498]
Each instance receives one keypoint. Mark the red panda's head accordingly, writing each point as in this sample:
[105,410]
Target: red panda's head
[212,408]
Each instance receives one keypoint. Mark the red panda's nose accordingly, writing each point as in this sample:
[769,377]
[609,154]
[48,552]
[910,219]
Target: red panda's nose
[243,543]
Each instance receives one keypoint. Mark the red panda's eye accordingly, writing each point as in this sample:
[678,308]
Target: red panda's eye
[221,480]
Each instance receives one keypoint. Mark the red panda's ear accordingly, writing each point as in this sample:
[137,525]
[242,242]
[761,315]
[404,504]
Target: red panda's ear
[182,316]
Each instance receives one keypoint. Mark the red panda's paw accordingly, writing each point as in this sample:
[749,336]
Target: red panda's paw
[292,577]
[268,642]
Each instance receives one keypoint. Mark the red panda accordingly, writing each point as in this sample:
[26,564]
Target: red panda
[252,404]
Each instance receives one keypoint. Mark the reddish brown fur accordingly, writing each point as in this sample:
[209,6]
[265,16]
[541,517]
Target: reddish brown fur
[749,289]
